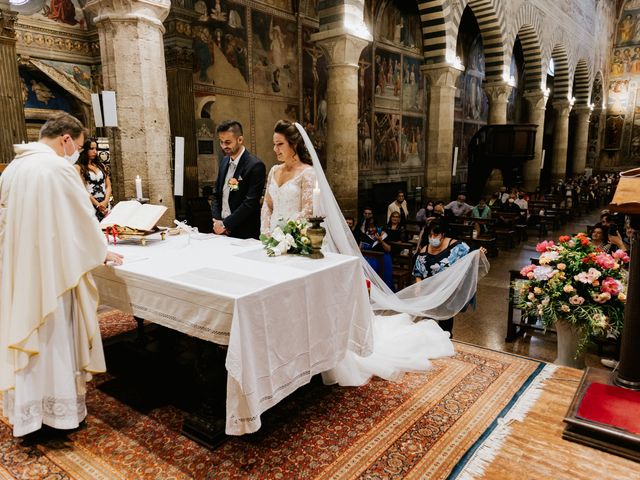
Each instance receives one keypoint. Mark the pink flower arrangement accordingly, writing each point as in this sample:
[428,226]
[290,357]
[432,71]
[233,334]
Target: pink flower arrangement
[544,246]
[577,283]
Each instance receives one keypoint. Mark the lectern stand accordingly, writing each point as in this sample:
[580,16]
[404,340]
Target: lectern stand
[605,412]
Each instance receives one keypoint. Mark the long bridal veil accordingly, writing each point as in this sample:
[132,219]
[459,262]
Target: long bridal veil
[438,298]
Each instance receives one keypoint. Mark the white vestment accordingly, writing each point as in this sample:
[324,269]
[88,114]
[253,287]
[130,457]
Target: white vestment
[49,335]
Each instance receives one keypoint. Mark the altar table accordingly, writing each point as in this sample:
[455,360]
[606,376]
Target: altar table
[283,318]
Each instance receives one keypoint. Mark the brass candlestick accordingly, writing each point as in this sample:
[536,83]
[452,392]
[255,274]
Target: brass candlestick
[316,234]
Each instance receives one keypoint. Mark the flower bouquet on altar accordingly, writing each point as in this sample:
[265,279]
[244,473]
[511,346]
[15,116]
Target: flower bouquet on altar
[289,236]
[578,286]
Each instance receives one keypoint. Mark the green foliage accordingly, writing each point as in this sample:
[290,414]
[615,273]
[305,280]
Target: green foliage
[290,236]
[578,283]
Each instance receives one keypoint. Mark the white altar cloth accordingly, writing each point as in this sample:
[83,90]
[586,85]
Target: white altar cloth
[284,318]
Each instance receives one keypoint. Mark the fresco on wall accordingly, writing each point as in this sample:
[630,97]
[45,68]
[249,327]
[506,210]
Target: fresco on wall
[471,106]
[387,141]
[314,87]
[412,141]
[401,28]
[80,73]
[365,109]
[275,53]
[40,92]
[618,96]
[613,132]
[413,85]
[220,44]
[388,78]
[62,12]
[625,61]
[629,24]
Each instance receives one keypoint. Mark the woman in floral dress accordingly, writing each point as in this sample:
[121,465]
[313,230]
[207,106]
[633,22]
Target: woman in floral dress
[95,177]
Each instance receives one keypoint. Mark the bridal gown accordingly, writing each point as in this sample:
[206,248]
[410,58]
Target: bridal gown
[290,201]
[399,344]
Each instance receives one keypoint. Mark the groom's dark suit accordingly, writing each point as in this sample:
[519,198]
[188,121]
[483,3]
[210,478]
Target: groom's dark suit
[244,203]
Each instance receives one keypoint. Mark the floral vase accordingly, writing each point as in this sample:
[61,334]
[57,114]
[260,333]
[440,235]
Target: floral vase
[568,335]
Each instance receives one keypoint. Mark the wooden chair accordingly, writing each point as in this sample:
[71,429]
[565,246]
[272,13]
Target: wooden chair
[402,256]
[517,322]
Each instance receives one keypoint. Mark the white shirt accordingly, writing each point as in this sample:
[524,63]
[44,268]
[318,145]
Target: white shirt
[233,164]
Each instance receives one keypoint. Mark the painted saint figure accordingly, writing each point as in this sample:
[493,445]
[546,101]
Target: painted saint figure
[63,11]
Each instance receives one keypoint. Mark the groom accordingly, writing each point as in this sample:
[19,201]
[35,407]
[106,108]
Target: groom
[236,203]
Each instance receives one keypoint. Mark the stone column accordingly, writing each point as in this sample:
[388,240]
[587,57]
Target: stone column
[343,52]
[178,47]
[498,93]
[537,101]
[439,161]
[581,139]
[133,65]
[13,128]
[561,139]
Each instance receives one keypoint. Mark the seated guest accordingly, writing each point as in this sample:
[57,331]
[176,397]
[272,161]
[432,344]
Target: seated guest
[395,231]
[481,211]
[425,212]
[435,253]
[367,216]
[511,205]
[399,205]
[375,239]
[521,201]
[494,201]
[459,207]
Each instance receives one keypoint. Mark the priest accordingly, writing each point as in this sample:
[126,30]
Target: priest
[49,243]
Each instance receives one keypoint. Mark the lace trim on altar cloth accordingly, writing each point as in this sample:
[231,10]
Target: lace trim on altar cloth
[63,413]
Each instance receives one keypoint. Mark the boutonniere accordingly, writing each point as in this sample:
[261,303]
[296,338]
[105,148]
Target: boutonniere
[234,183]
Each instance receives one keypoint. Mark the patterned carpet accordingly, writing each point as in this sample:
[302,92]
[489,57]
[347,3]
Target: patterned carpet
[418,428]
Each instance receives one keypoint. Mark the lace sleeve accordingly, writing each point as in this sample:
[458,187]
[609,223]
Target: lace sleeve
[267,206]
[306,192]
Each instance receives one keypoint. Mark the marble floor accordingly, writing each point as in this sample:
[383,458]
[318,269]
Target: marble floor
[487,325]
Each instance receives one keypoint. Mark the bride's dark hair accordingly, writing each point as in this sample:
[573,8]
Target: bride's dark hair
[294,139]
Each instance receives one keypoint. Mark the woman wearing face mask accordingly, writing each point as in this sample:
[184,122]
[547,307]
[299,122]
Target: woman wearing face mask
[95,177]
[435,253]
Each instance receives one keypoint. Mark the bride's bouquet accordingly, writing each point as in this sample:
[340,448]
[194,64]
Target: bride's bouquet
[289,236]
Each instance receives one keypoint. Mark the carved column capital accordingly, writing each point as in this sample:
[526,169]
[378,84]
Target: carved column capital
[178,56]
[537,99]
[441,75]
[341,50]
[7,25]
[563,107]
[583,112]
[498,92]
[151,11]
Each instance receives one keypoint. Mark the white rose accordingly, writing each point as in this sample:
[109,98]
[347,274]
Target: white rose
[277,234]
[282,247]
[289,240]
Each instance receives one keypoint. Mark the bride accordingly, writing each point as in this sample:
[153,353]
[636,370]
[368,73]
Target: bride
[289,192]
[400,343]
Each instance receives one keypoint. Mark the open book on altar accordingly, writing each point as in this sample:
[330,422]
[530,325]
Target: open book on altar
[134,215]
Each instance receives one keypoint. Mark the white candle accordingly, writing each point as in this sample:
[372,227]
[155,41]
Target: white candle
[138,187]
[317,208]
[542,161]
[455,161]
